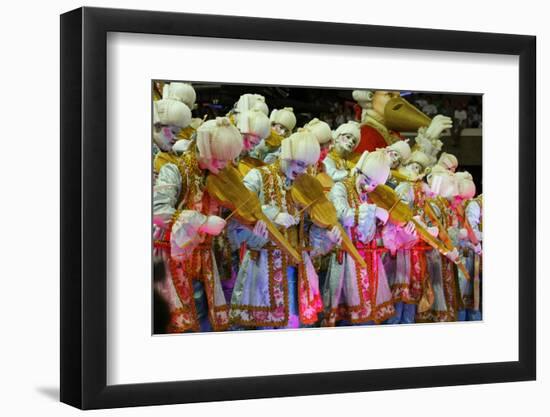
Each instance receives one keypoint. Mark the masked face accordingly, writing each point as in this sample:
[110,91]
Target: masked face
[280,129]
[292,169]
[395,158]
[345,143]
[165,136]
[365,184]
[380,99]
[450,167]
[413,170]
[250,141]
[215,165]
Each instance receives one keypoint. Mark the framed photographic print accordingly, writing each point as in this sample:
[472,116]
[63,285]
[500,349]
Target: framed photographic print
[257,208]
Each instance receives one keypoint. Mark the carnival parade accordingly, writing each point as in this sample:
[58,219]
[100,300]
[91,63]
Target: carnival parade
[264,218]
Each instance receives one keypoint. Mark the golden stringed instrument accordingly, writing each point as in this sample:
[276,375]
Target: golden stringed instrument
[402,116]
[274,140]
[247,163]
[400,214]
[325,181]
[228,189]
[398,176]
[445,237]
[308,192]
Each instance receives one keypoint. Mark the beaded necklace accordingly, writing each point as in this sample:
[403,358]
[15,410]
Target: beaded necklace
[353,196]
[339,161]
[193,180]
[274,187]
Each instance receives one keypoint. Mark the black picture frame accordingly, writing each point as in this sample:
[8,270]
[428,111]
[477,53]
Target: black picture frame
[84,207]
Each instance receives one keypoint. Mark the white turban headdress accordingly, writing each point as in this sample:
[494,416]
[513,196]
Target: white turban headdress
[321,130]
[448,161]
[349,128]
[284,117]
[466,185]
[251,102]
[402,148]
[219,139]
[375,165]
[180,92]
[254,122]
[301,146]
[171,113]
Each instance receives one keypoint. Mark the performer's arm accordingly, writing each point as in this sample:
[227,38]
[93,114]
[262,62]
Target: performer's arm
[165,194]
[333,172]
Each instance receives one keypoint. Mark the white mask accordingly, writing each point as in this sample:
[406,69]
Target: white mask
[280,129]
[345,143]
[412,170]
[394,158]
[213,165]
[364,184]
[164,137]
[250,141]
[292,169]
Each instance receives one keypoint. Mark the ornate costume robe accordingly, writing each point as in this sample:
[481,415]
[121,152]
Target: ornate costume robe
[180,207]
[270,290]
[442,272]
[352,293]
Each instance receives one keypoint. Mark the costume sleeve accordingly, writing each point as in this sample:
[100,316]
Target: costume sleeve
[271,157]
[366,225]
[253,181]
[338,195]
[165,193]
[333,172]
[238,232]
[473,214]
[185,234]
[319,242]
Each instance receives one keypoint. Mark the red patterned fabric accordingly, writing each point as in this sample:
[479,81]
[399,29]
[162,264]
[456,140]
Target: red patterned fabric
[372,139]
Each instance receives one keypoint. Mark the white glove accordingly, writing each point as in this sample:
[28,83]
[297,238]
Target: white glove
[335,235]
[382,214]
[438,125]
[477,249]
[259,235]
[285,220]
[410,228]
[213,225]
[260,229]
[463,234]
[434,231]
[453,255]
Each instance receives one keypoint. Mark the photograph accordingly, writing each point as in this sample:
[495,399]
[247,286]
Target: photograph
[293,207]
